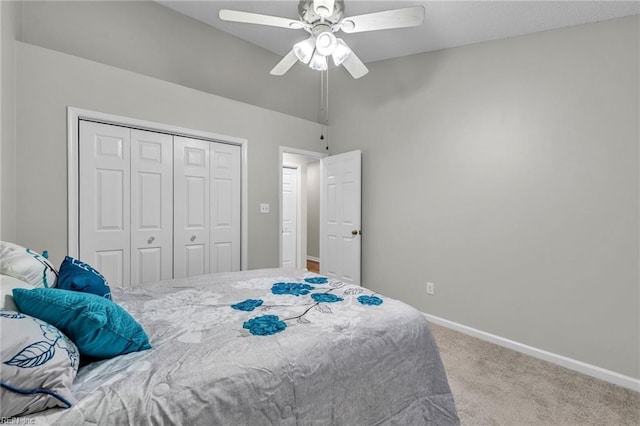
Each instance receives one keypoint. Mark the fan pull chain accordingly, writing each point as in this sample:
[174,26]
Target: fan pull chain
[324,106]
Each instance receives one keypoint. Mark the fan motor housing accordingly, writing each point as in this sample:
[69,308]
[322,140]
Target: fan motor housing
[308,14]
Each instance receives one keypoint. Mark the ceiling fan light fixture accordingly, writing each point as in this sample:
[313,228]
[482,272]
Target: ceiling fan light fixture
[321,19]
[326,43]
[304,50]
[323,8]
[318,62]
[341,52]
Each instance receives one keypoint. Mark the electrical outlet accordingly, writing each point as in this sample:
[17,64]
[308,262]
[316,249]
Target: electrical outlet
[430,288]
[264,208]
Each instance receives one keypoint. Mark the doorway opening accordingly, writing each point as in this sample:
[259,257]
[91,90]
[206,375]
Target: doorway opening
[300,209]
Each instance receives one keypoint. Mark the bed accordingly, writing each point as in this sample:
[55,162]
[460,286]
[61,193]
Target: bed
[264,347]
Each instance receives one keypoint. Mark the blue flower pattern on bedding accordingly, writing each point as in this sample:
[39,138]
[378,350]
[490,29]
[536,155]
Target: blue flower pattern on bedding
[370,300]
[326,298]
[248,305]
[316,280]
[294,289]
[267,325]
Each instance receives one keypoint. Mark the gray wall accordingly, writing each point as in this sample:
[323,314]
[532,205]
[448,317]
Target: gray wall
[507,174]
[11,29]
[153,40]
[49,81]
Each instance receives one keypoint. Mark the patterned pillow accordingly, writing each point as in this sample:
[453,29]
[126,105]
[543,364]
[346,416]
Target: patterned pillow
[79,276]
[7,284]
[99,327]
[26,265]
[39,364]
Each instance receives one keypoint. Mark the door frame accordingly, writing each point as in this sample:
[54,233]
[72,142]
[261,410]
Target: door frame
[74,115]
[296,151]
[298,172]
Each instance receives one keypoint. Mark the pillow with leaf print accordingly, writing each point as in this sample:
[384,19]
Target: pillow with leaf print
[38,366]
[7,284]
[26,265]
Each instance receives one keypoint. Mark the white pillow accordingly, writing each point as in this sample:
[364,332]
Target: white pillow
[26,265]
[7,284]
[38,366]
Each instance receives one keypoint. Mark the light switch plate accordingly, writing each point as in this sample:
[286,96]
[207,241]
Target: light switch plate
[430,288]
[264,207]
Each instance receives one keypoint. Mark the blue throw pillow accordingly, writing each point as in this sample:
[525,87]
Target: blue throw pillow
[99,327]
[79,276]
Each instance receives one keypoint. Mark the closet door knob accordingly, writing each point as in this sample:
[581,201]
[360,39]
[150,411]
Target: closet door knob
[150,240]
[193,238]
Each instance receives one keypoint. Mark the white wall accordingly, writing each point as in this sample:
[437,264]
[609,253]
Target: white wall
[507,173]
[49,81]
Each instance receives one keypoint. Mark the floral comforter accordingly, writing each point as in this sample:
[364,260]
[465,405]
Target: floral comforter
[267,347]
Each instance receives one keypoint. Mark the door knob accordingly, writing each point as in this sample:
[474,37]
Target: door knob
[355,232]
[150,240]
[193,238]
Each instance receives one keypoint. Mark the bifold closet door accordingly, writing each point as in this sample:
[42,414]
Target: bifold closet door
[104,187]
[225,207]
[151,206]
[191,183]
[155,206]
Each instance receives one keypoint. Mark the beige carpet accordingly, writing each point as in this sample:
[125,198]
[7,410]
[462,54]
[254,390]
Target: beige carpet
[493,385]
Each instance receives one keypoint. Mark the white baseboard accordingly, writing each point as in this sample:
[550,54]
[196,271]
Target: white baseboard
[571,364]
[314,259]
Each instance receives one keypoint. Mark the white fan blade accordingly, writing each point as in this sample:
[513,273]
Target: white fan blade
[285,64]
[354,65]
[256,18]
[397,18]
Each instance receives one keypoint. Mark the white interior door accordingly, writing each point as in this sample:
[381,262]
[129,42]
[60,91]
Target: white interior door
[225,207]
[151,206]
[340,216]
[191,207]
[290,217]
[104,185]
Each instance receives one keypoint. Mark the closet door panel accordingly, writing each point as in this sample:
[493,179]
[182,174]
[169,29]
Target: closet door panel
[225,207]
[104,187]
[151,206]
[191,207]
[195,259]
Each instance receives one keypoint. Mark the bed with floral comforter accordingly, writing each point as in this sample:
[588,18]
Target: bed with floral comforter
[266,347]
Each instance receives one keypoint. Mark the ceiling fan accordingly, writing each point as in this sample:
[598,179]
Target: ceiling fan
[322,18]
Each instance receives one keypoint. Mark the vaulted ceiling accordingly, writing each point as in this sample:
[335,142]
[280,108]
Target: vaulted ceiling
[447,23]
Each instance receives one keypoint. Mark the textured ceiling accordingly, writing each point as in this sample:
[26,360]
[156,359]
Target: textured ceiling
[447,23]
